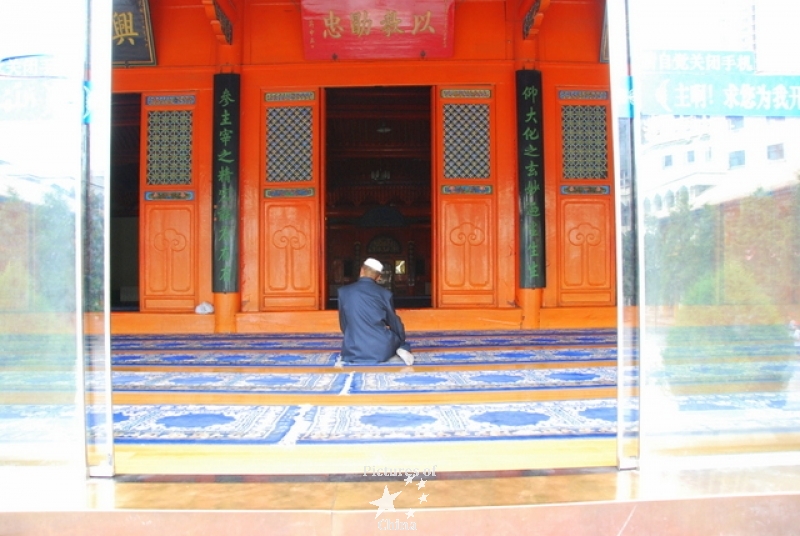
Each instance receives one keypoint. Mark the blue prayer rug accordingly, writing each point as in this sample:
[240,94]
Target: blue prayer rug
[333,341]
[228,382]
[318,359]
[202,424]
[531,420]
[485,380]
[223,358]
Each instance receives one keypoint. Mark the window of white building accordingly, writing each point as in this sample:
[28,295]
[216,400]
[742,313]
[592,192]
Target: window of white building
[775,152]
[736,159]
[735,122]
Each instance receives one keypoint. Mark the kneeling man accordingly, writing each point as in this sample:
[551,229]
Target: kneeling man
[373,333]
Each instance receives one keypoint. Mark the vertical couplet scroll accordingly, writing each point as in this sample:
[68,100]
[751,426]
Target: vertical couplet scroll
[225,167]
[531,179]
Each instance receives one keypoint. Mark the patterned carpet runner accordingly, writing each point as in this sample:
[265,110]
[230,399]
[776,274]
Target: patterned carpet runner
[362,404]
[287,389]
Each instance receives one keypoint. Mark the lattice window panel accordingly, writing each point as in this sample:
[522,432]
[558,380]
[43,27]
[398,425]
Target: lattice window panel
[289,144]
[169,147]
[585,143]
[466,141]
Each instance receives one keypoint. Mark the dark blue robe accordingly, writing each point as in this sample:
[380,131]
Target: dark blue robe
[372,330]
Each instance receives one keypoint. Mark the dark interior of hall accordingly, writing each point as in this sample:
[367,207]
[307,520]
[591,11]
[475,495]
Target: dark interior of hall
[378,188]
[124,199]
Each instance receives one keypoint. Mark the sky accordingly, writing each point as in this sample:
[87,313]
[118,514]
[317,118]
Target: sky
[714,25]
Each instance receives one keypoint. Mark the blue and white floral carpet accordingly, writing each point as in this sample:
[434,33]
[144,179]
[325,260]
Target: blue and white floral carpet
[435,340]
[274,365]
[363,424]
[250,358]
[358,406]
[749,413]
[743,413]
[482,380]
[354,383]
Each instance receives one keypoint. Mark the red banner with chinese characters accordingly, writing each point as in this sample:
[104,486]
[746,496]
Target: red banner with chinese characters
[377,29]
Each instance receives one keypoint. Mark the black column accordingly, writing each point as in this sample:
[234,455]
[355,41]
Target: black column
[225,187]
[530,156]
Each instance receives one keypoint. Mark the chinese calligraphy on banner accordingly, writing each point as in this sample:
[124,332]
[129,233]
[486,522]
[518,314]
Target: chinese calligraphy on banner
[531,179]
[723,94]
[690,82]
[225,168]
[704,61]
[132,34]
[371,29]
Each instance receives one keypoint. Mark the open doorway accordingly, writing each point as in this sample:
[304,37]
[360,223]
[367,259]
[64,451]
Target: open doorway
[378,189]
[125,135]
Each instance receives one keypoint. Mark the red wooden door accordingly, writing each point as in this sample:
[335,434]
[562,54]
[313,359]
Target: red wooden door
[465,198]
[585,226]
[168,218]
[290,249]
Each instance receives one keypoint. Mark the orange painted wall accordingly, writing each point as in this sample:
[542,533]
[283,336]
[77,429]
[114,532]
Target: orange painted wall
[182,34]
[572,33]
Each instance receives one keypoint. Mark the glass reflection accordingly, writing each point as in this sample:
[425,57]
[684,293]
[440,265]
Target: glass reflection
[38,372]
[45,206]
[716,138]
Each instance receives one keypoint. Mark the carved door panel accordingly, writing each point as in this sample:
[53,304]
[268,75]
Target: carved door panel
[290,212]
[169,256]
[587,252]
[467,247]
[289,240]
[586,274]
[168,219]
[465,215]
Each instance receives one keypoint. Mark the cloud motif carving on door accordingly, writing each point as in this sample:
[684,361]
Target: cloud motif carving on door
[291,240]
[468,236]
[170,242]
[584,238]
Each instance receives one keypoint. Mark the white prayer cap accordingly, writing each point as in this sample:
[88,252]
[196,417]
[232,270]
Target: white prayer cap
[374,264]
